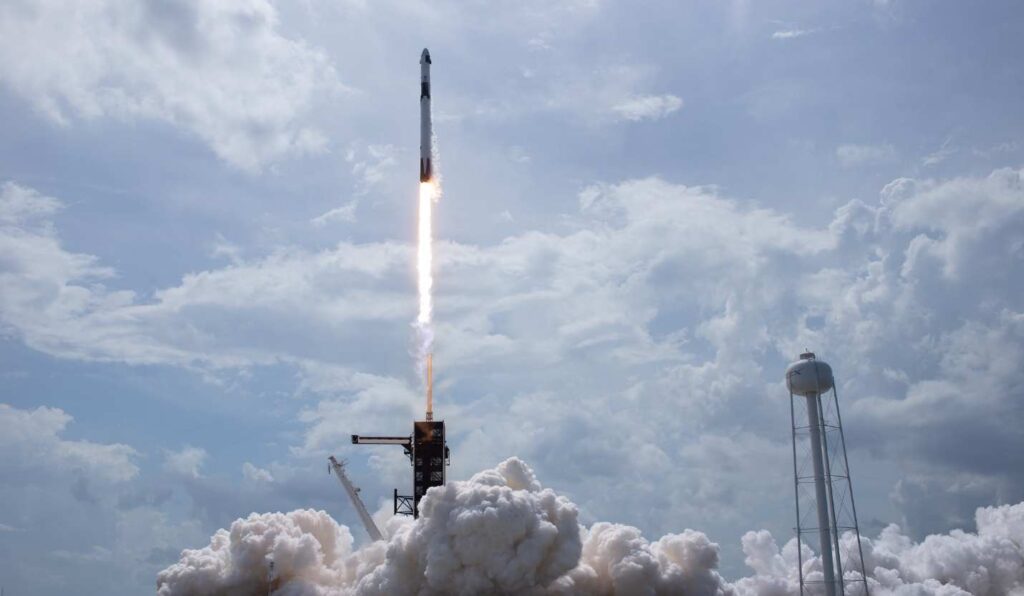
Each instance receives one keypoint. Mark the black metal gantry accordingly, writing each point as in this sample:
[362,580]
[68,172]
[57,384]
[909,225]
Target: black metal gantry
[429,455]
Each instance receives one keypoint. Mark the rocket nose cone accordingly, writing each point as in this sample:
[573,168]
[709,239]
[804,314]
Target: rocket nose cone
[425,57]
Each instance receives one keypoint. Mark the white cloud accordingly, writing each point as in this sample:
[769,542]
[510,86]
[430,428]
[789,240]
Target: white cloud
[791,33]
[656,297]
[648,107]
[346,213]
[185,462]
[22,205]
[221,70]
[33,438]
[228,250]
[941,154]
[609,93]
[55,301]
[372,166]
[862,155]
[954,219]
[256,474]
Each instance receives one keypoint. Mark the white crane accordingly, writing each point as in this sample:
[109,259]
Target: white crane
[353,493]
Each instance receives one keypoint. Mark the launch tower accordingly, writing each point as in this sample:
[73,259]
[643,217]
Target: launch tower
[428,453]
[427,450]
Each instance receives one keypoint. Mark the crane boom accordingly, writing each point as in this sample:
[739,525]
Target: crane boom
[353,493]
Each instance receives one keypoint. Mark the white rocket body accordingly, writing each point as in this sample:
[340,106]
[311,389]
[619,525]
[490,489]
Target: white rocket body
[426,129]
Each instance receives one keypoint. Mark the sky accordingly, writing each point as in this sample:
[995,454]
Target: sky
[207,269]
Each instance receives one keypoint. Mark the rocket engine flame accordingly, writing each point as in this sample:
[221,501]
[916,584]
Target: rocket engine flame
[425,275]
[425,254]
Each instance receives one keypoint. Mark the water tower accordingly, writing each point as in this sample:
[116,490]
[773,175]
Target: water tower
[821,476]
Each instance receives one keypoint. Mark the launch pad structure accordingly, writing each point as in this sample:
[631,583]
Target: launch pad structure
[427,450]
[429,455]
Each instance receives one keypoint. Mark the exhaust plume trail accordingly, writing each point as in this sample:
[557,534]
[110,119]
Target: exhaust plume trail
[425,283]
[425,255]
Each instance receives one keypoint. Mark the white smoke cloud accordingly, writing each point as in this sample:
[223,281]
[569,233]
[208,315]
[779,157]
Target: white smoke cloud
[987,563]
[502,533]
[498,533]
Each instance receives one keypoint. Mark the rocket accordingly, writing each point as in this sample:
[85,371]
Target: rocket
[426,130]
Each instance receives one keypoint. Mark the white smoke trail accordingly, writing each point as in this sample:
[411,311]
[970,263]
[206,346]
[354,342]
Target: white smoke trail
[502,533]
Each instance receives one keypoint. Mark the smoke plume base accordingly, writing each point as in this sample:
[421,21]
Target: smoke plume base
[501,532]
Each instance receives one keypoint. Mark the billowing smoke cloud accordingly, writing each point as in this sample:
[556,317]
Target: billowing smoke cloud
[987,563]
[498,533]
[502,533]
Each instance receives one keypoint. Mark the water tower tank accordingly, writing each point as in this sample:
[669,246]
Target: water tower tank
[809,376]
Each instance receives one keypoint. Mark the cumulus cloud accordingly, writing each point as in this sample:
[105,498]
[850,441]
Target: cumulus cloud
[25,206]
[185,462]
[93,493]
[256,474]
[56,301]
[223,71]
[652,291]
[32,438]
